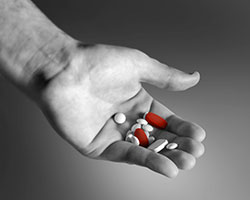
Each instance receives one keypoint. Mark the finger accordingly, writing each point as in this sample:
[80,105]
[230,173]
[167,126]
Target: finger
[122,151]
[176,124]
[186,144]
[185,128]
[163,76]
[182,159]
[190,146]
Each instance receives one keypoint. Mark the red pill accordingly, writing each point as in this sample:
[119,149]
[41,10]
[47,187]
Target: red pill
[142,137]
[156,120]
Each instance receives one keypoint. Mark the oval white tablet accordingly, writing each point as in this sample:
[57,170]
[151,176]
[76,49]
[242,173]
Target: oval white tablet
[158,145]
[172,146]
[147,133]
[142,121]
[135,126]
[129,132]
[148,128]
[128,137]
[134,140]
[120,118]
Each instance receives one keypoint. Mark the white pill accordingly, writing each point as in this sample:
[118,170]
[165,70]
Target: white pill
[172,146]
[148,128]
[147,133]
[151,139]
[129,132]
[135,126]
[128,137]
[120,118]
[142,121]
[158,145]
[134,140]
[144,116]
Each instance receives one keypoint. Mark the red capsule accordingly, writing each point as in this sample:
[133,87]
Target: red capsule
[156,120]
[142,137]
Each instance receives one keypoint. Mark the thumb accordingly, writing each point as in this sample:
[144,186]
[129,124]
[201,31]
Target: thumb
[163,76]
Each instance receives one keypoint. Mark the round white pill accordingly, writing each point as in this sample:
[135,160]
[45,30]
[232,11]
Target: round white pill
[128,137]
[134,140]
[135,126]
[142,121]
[172,146]
[148,128]
[144,116]
[120,118]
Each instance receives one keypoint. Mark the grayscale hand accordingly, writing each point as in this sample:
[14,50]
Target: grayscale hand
[80,88]
[101,80]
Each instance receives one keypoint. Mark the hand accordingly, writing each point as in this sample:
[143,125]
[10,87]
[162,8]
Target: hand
[101,80]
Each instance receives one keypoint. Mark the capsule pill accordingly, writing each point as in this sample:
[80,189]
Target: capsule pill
[120,118]
[156,121]
[142,137]
[158,145]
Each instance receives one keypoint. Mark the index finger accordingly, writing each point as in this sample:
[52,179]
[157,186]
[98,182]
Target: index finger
[122,151]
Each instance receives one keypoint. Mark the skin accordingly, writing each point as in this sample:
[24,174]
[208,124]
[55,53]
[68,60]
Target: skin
[80,87]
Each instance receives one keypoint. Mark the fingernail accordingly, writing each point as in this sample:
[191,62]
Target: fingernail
[193,73]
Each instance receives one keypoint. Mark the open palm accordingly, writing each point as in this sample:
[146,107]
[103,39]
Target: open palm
[101,80]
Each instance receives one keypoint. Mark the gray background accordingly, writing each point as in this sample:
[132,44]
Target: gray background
[209,36]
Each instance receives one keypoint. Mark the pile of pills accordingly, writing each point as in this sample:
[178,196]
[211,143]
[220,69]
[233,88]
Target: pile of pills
[141,132]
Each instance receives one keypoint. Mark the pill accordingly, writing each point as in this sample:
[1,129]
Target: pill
[134,140]
[142,137]
[142,121]
[135,126]
[129,132]
[144,116]
[156,120]
[128,137]
[151,139]
[147,133]
[120,118]
[147,127]
[158,145]
[171,146]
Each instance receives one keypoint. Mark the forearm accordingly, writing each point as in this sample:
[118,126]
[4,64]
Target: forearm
[31,46]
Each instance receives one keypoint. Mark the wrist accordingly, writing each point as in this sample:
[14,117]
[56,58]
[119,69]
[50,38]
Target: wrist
[32,48]
[48,62]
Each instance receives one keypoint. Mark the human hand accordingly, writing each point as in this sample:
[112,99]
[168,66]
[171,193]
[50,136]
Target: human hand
[101,80]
